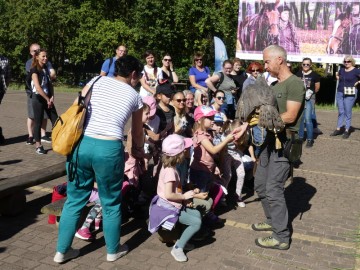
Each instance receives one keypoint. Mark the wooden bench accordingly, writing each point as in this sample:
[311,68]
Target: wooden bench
[12,190]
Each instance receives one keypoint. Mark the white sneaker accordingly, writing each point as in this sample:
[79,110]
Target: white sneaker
[178,254]
[63,257]
[241,204]
[123,250]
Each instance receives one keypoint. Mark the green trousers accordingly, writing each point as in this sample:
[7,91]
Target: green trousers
[102,160]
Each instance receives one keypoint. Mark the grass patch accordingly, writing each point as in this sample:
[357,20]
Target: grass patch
[331,107]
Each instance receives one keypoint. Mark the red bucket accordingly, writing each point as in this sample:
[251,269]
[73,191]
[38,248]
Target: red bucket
[55,197]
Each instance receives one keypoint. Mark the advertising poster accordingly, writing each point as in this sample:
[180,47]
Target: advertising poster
[324,30]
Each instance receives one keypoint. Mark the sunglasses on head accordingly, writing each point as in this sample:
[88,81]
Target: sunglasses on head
[220,98]
[306,65]
[347,61]
[180,99]
[167,60]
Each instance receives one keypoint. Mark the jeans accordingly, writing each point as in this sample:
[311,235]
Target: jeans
[103,159]
[345,104]
[313,116]
[308,117]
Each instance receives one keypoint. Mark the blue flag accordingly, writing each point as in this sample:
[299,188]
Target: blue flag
[220,53]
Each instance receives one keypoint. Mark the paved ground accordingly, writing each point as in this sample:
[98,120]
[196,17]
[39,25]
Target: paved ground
[323,201]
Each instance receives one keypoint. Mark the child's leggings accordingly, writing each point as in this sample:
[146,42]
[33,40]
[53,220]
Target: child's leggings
[191,218]
[234,161]
[216,193]
[95,212]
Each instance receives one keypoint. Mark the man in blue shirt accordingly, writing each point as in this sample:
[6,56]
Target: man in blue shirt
[108,66]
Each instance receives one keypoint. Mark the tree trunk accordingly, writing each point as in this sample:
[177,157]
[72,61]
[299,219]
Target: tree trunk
[296,14]
[313,25]
[302,16]
[308,18]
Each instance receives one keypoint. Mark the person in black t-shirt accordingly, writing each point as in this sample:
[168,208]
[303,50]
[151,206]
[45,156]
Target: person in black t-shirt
[312,84]
[239,76]
[168,72]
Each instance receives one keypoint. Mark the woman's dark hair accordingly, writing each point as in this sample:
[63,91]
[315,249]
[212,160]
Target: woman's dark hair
[219,91]
[147,53]
[126,64]
[228,61]
[35,62]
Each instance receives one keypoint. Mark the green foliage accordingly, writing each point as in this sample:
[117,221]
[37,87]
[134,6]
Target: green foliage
[86,32]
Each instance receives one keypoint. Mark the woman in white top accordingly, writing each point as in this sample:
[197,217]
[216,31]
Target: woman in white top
[151,75]
[101,153]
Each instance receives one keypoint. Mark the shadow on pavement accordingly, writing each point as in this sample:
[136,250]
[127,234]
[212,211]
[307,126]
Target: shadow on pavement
[10,226]
[18,139]
[298,195]
[9,162]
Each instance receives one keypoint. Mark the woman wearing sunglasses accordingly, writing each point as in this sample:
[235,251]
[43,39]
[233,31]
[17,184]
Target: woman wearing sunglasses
[168,72]
[254,69]
[182,122]
[224,81]
[349,79]
[198,73]
[218,103]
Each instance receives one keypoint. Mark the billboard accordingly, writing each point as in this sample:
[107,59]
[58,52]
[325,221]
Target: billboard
[324,30]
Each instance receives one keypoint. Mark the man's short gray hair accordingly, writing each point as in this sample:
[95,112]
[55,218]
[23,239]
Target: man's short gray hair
[276,50]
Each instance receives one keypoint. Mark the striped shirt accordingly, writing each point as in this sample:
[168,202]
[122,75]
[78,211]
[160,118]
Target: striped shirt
[111,105]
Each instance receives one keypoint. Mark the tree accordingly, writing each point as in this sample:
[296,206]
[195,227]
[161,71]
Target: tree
[85,32]
[314,21]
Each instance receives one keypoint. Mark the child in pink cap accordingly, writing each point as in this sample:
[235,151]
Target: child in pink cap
[170,193]
[202,168]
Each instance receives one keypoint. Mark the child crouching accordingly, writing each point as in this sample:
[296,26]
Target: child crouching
[170,204]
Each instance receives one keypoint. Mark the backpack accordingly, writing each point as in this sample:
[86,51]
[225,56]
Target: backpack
[220,81]
[69,127]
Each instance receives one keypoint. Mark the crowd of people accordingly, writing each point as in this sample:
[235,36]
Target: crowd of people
[191,143]
[190,151]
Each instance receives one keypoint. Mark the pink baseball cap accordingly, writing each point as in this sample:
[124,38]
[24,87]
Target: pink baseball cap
[175,144]
[203,111]
[150,100]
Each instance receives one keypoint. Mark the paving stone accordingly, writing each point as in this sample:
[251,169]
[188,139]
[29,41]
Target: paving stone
[11,259]
[322,205]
